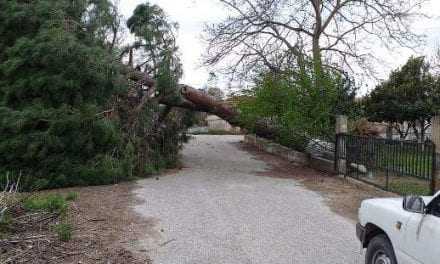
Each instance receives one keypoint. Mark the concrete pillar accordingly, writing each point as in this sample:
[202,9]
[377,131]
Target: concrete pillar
[341,128]
[341,124]
[435,137]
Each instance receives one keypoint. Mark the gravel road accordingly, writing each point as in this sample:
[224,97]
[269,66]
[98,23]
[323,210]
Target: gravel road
[217,210]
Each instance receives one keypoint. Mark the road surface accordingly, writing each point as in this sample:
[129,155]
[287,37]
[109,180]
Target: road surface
[218,210]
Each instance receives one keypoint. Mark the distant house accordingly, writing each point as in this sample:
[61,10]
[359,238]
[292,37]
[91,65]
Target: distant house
[364,127]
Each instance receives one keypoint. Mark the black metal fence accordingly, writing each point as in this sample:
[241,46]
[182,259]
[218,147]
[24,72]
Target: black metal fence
[398,166]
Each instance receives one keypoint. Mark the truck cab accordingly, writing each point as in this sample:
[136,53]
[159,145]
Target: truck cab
[400,230]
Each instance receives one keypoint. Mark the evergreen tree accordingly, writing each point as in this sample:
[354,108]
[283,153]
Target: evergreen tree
[55,77]
[58,74]
[411,95]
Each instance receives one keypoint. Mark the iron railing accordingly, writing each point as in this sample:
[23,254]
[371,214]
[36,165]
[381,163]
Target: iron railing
[400,166]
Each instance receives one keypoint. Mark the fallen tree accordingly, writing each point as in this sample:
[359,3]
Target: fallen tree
[195,100]
[190,98]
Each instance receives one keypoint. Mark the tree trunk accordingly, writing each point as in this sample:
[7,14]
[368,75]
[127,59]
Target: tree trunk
[416,131]
[205,103]
[316,48]
[422,130]
[197,100]
[317,63]
[389,132]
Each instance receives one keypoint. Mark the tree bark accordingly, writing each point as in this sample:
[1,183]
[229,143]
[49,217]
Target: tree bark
[316,47]
[196,100]
[389,132]
[205,103]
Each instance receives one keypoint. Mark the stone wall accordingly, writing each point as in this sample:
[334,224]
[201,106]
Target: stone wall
[291,155]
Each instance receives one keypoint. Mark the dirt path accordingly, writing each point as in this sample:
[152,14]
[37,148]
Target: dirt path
[229,205]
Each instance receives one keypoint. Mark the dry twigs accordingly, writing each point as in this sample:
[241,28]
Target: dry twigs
[7,196]
[25,237]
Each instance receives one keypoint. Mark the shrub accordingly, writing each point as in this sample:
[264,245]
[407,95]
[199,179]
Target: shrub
[150,169]
[297,111]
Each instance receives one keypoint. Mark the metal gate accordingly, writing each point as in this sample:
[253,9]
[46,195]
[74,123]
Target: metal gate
[400,166]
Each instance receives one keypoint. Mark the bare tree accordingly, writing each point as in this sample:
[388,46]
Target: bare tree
[281,34]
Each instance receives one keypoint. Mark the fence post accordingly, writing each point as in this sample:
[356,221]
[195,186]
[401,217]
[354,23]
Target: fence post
[435,128]
[341,128]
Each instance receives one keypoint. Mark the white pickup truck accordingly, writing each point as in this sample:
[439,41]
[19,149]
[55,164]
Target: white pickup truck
[400,230]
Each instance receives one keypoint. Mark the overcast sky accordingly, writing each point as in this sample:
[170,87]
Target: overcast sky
[193,14]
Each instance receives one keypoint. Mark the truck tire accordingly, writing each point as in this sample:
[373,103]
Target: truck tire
[380,251]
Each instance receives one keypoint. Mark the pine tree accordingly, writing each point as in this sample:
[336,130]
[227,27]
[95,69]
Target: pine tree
[55,77]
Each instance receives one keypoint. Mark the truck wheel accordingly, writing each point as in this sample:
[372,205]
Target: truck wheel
[380,251]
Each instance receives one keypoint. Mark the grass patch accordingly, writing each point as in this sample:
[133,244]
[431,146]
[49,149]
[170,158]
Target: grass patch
[52,207]
[5,224]
[403,158]
[53,203]
[64,231]
[409,188]
[71,196]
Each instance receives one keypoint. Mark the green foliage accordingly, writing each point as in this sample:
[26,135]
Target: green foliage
[156,39]
[53,82]
[291,103]
[68,146]
[410,94]
[159,132]
[150,169]
[151,22]
[57,74]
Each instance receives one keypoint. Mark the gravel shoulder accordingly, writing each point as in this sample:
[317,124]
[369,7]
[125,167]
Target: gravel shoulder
[230,204]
